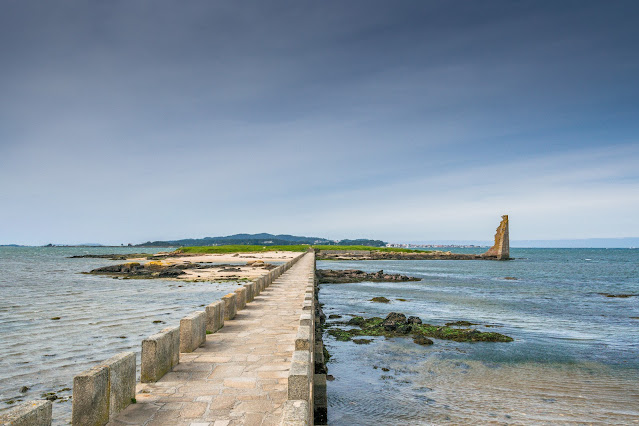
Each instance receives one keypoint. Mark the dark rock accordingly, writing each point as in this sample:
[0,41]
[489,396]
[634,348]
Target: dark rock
[171,273]
[422,340]
[621,296]
[24,389]
[413,320]
[358,321]
[395,319]
[380,300]
[404,329]
[334,316]
[460,323]
[362,341]
[356,276]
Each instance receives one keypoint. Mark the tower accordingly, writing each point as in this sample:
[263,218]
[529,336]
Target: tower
[501,249]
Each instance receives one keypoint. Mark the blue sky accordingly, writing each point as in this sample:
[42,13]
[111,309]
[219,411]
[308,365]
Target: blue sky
[126,121]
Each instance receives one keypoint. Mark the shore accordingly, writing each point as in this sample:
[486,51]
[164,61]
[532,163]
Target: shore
[198,267]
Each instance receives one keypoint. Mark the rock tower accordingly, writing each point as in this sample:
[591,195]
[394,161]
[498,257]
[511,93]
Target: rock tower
[501,249]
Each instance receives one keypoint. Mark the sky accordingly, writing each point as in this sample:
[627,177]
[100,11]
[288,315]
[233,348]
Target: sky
[127,121]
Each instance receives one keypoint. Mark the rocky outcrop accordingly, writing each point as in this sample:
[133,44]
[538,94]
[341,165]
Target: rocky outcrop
[397,325]
[501,249]
[382,255]
[149,270]
[357,276]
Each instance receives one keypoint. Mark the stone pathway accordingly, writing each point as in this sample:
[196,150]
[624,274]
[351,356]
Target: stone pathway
[239,376]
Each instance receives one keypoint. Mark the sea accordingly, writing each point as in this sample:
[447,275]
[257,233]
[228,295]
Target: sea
[56,321]
[574,358]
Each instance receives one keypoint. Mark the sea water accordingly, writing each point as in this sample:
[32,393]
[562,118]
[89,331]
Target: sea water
[575,357]
[98,317]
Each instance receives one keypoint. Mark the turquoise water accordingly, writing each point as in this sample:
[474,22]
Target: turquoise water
[574,358]
[99,317]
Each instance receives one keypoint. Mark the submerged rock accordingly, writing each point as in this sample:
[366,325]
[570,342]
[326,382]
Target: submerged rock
[422,340]
[380,300]
[621,296]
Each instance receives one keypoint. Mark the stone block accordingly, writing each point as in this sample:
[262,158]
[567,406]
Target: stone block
[303,339]
[250,292]
[160,353]
[307,305]
[240,301]
[320,401]
[214,316]
[121,381]
[192,331]
[91,405]
[30,413]
[306,319]
[299,376]
[295,413]
[230,307]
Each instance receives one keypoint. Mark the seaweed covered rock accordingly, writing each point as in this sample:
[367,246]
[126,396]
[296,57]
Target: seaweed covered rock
[357,276]
[397,325]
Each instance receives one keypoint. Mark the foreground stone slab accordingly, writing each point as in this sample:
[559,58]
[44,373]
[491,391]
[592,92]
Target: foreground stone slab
[30,413]
[160,353]
[230,307]
[215,316]
[91,405]
[295,413]
[240,301]
[192,331]
[121,381]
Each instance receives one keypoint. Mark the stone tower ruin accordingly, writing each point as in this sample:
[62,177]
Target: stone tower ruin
[501,249]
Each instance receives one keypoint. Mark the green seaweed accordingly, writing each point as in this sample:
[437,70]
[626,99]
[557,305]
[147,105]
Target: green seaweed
[374,327]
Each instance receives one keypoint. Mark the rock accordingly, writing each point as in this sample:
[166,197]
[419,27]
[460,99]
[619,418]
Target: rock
[510,278]
[461,323]
[380,300]
[334,316]
[358,321]
[413,320]
[621,296]
[24,389]
[171,273]
[394,319]
[404,329]
[362,341]
[501,249]
[422,340]
[356,276]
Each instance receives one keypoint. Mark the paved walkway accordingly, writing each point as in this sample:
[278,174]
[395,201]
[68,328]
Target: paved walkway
[239,376]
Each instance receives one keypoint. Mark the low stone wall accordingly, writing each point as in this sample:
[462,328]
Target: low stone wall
[160,353]
[30,413]
[300,405]
[192,331]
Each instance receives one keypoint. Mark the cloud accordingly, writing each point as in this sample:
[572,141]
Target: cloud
[127,121]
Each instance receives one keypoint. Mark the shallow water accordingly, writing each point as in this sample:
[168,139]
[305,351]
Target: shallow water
[99,317]
[574,358]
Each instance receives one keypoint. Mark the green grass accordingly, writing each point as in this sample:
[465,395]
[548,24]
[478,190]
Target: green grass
[384,249]
[295,248]
[241,249]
